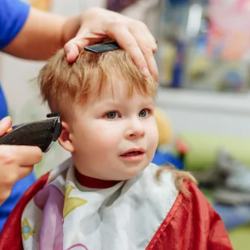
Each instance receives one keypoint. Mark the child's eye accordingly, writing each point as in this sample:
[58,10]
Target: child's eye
[112,115]
[144,113]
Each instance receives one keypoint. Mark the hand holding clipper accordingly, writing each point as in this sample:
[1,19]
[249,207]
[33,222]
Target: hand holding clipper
[40,133]
[21,147]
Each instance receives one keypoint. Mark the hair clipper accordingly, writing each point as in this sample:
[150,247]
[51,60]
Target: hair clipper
[40,133]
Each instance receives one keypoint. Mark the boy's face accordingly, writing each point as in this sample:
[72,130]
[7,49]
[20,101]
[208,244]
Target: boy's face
[113,137]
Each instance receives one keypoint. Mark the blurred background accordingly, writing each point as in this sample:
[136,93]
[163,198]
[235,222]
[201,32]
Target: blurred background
[203,112]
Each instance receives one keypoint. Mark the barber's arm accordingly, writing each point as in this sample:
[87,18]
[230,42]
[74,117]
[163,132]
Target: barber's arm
[40,37]
[16,162]
[44,33]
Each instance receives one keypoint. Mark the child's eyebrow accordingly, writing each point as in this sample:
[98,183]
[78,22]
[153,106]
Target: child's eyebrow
[114,102]
[108,103]
[150,102]
[147,101]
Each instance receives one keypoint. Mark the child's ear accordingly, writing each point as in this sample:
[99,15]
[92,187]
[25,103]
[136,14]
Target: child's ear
[64,138]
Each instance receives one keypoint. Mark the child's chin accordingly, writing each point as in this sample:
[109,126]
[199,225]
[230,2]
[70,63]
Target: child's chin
[133,171]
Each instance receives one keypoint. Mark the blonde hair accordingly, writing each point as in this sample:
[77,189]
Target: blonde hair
[62,84]
[180,176]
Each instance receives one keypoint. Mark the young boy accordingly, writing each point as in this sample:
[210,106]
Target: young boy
[108,195]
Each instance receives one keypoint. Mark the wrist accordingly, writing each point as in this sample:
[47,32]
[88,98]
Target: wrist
[70,28]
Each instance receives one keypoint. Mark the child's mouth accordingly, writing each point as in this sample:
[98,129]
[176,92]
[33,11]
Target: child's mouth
[134,155]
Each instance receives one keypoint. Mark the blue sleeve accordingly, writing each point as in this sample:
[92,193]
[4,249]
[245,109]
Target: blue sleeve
[13,14]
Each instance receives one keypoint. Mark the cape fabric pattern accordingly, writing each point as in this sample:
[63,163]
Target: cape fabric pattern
[141,213]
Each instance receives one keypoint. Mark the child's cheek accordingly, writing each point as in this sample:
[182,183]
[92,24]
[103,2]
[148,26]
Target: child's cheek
[153,135]
[109,135]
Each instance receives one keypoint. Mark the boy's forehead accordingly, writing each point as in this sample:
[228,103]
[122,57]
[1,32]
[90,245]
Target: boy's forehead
[113,91]
[120,98]
[110,88]
[118,89]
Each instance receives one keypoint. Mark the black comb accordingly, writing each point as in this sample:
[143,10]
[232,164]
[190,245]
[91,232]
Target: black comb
[104,47]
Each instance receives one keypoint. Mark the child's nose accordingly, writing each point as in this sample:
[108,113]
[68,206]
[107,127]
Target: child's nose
[135,129]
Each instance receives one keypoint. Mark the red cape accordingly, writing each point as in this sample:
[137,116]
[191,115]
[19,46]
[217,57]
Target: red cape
[191,224]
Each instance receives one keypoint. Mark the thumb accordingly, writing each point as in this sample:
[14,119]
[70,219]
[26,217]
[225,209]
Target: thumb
[5,123]
[84,38]
[73,48]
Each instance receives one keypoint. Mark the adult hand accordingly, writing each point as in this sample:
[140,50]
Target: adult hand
[16,162]
[133,36]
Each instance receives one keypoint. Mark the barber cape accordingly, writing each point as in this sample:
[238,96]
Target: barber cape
[142,213]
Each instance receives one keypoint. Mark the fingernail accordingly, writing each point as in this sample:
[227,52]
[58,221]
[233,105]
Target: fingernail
[145,71]
[5,120]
